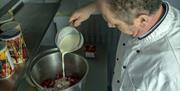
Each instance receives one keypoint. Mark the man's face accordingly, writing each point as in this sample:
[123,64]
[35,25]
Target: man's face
[114,22]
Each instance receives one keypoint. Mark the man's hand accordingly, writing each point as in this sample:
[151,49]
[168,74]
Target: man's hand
[82,14]
[79,16]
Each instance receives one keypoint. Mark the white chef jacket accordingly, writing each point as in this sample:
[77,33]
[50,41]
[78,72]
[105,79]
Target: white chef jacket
[152,61]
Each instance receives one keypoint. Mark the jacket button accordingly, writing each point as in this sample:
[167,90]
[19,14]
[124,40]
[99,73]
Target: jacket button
[124,44]
[118,81]
[117,59]
[138,51]
[124,67]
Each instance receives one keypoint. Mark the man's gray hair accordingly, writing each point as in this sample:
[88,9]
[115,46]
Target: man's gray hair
[129,9]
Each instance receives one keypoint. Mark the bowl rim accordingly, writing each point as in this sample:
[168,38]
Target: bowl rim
[46,52]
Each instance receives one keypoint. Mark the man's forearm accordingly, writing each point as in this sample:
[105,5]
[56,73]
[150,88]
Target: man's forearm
[93,8]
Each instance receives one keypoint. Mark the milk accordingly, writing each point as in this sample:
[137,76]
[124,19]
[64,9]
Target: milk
[67,45]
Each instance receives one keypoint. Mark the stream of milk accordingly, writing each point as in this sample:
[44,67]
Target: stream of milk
[67,45]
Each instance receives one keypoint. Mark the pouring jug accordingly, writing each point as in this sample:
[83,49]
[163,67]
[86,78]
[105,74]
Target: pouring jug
[75,38]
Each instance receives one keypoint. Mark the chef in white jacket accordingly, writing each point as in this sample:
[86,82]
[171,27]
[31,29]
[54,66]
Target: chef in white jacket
[148,53]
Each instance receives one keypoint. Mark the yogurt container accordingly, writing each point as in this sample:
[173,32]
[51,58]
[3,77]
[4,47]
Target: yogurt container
[16,45]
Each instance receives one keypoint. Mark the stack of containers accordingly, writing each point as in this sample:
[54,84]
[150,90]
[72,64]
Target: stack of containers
[12,46]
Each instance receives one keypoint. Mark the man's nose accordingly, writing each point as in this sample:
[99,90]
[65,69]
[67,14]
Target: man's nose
[111,25]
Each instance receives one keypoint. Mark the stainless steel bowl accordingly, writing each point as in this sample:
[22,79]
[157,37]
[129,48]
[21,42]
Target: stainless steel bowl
[48,64]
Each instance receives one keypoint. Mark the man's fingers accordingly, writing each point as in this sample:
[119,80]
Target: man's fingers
[77,22]
[73,18]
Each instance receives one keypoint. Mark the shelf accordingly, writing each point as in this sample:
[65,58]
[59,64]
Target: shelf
[5,5]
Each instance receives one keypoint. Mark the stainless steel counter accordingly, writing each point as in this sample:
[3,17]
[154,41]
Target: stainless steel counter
[35,19]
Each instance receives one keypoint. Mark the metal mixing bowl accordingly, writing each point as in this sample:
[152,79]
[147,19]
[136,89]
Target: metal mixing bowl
[47,65]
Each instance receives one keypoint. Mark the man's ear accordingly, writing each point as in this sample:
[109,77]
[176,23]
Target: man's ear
[141,20]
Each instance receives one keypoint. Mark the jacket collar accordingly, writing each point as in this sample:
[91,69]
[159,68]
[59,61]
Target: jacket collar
[161,28]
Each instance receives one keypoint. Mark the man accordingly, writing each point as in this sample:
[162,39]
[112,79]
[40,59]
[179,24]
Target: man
[148,53]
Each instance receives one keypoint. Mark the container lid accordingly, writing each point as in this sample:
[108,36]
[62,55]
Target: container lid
[9,34]
[6,18]
[9,25]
